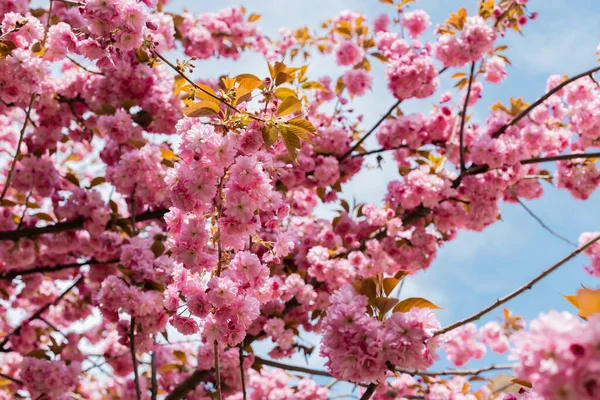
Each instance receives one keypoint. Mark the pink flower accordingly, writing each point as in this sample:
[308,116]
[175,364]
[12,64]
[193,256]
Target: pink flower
[348,53]
[184,325]
[495,70]
[357,81]
[416,22]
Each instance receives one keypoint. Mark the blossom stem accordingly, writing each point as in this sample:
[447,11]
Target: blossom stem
[463,119]
[242,372]
[518,291]
[217,372]
[153,378]
[18,152]
[136,377]
[48,23]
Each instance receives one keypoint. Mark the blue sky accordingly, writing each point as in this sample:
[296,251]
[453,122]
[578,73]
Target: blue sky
[478,267]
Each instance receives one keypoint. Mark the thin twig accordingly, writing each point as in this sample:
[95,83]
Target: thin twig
[539,220]
[462,120]
[218,372]
[136,377]
[153,378]
[39,312]
[539,101]
[242,372]
[362,139]
[366,153]
[48,23]
[457,372]
[44,320]
[82,66]
[517,292]
[18,152]
[10,378]
[288,367]
[22,219]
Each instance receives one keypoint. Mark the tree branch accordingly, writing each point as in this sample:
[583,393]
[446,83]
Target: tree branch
[136,377]
[10,378]
[517,292]
[54,268]
[369,392]
[455,372]
[153,378]
[242,372]
[218,371]
[188,385]
[18,150]
[539,220]
[539,101]
[463,119]
[38,313]
[75,224]
[366,153]
[275,364]
[362,139]
[561,157]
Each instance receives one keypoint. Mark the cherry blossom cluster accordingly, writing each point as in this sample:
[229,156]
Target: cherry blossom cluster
[558,355]
[358,346]
[188,207]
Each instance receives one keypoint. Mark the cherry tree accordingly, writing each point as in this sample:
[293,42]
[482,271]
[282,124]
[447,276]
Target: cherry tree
[142,200]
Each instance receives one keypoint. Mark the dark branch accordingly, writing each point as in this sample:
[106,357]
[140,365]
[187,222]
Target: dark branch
[54,268]
[75,224]
[362,139]
[463,119]
[188,385]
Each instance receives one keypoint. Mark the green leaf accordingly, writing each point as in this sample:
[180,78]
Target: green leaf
[301,128]
[389,284]
[288,106]
[203,108]
[385,304]
[180,355]
[72,178]
[407,304]
[270,135]
[291,142]
[99,180]
[38,353]
[137,143]
[44,217]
